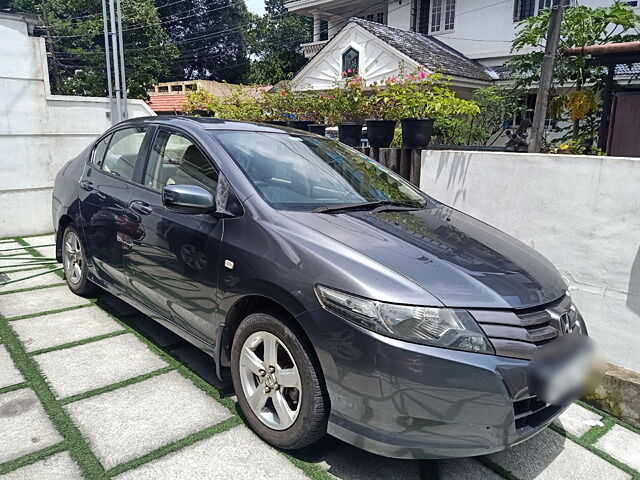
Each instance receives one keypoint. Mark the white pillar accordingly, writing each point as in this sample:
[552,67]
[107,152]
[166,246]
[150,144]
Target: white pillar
[331,29]
[316,28]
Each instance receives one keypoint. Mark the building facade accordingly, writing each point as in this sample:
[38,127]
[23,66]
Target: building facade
[480,31]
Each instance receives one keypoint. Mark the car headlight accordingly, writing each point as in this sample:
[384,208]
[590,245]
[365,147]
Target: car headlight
[438,327]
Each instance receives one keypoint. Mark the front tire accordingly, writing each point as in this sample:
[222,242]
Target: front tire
[74,261]
[279,390]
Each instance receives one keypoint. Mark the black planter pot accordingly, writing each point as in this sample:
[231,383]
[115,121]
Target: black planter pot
[300,124]
[280,123]
[318,129]
[416,132]
[350,133]
[203,113]
[380,132]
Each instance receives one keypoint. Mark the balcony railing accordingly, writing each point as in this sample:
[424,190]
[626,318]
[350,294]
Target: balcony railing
[310,49]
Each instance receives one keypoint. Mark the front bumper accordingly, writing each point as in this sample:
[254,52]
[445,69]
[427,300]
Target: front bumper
[405,400]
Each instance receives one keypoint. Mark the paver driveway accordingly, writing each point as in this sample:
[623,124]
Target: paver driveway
[91,388]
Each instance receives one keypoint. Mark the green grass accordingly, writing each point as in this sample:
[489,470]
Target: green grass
[178,445]
[77,343]
[50,312]
[73,439]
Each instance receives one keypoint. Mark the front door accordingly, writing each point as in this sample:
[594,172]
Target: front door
[173,267]
[108,226]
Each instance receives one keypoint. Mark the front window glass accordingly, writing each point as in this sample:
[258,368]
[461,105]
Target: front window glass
[122,154]
[176,160]
[303,172]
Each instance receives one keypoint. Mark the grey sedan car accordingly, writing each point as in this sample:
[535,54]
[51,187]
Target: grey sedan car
[338,297]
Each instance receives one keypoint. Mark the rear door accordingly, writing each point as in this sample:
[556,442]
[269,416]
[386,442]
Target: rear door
[173,268]
[108,226]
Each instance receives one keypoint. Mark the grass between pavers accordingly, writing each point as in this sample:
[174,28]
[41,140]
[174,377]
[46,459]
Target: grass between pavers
[177,445]
[29,289]
[589,438]
[73,439]
[77,343]
[36,253]
[12,388]
[50,312]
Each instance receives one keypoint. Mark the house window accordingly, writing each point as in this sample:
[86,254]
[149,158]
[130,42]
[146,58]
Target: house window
[443,14]
[377,17]
[528,8]
[351,61]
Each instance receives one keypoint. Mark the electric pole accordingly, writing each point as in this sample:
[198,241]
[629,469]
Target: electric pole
[116,75]
[546,76]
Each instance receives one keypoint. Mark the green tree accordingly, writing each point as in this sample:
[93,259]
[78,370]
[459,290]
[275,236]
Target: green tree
[75,43]
[274,44]
[581,26]
[210,35]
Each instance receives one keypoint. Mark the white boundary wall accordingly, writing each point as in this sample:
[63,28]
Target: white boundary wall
[581,212]
[39,132]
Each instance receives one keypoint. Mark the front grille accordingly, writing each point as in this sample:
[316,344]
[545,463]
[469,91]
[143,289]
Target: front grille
[531,413]
[519,333]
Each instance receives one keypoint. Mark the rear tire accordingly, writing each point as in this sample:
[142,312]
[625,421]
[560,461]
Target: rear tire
[74,261]
[287,405]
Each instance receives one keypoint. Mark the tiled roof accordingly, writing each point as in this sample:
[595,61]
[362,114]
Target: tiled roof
[621,69]
[167,103]
[428,51]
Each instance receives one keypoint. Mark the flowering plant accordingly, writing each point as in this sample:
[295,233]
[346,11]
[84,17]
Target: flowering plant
[422,95]
[346,104]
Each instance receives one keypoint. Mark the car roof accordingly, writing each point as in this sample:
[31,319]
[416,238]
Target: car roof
[209,123]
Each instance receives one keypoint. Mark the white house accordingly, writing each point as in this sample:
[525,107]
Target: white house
[380,37]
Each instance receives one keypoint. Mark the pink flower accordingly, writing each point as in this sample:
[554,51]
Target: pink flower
[349,70]
[423,75]
[283,93]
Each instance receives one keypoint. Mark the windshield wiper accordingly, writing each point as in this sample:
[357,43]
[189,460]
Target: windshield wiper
[377,206]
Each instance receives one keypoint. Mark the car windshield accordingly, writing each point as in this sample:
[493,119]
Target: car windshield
[297,172]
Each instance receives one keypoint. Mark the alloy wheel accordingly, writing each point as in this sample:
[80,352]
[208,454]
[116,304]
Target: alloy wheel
[270,380]
[72,258]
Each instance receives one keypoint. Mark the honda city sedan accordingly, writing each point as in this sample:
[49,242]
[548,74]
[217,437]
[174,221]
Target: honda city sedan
[337,296]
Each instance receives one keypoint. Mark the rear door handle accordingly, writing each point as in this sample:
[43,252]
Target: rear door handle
[141,207]
[87,185]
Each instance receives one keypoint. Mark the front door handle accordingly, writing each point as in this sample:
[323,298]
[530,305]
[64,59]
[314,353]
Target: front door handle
[87,185]
[141,207]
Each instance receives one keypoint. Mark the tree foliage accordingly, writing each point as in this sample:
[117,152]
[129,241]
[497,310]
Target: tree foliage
[581,26]
[274,44]
[76,44]
[210,35]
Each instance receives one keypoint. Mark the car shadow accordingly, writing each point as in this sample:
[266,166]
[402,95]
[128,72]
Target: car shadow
[341,460]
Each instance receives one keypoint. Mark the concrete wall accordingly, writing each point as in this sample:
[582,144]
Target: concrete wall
[39,132]
[581,212]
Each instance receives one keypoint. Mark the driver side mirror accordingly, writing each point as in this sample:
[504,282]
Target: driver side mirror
[190,199]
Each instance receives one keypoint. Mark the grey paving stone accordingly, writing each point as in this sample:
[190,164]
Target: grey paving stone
[622,444]
[48,252]
[9,249]
[39,281]
[577,420]
[9,374]
[346,462]
[465,469]
[59,466]
[55,329]
[97,364]
[27,303]
[41,239]
[236,454]
[134,420]
[551,456]
[24,425]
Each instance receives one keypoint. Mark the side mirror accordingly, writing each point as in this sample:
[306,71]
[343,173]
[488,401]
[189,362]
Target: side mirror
[188,199]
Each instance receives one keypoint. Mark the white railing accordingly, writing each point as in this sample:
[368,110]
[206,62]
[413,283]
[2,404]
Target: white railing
[310,49]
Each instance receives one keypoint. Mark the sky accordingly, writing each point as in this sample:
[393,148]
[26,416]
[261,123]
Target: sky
[255,6]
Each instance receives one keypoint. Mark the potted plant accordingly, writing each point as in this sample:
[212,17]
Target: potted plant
[378,108]
[418,100]
[346,109]
[301,109]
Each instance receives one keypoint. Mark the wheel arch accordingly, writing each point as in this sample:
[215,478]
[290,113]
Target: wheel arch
[63,222]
